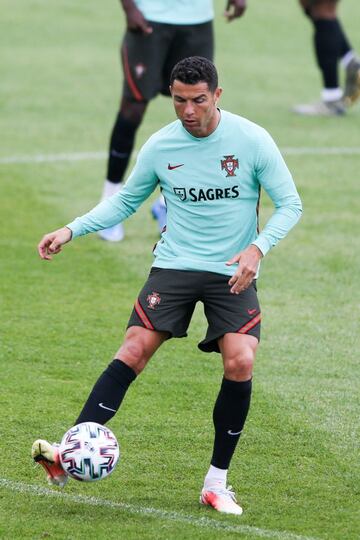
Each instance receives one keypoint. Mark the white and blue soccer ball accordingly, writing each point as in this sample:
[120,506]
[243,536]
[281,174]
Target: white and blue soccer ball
[89,452]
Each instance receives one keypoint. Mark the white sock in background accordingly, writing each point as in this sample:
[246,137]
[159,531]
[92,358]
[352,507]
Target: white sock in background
[115,233]
[110,189]
[331,94]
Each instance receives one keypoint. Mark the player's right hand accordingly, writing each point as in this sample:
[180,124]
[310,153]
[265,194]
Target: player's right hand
[51,243]
[136,21]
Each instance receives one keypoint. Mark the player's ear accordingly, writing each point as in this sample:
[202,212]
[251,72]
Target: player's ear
[217,94]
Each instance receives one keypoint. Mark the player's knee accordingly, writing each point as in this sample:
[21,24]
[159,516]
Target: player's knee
[326,9]
[239,365]
[133,111]
[133,353]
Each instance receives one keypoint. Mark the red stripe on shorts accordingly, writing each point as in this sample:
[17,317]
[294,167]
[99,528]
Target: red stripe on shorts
[144,318]
[134,89]
[248,326]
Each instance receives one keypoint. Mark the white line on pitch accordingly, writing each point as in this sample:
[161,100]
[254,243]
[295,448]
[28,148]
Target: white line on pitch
[314,151]
[96,156]
[50,158]
[203,522]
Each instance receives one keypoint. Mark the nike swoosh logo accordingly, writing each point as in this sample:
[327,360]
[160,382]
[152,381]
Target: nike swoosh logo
[107,408]
[171,167]
[119,154]
[230,432]
[251,311]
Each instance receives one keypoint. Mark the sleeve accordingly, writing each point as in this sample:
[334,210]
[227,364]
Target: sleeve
[139,186]
[274,176]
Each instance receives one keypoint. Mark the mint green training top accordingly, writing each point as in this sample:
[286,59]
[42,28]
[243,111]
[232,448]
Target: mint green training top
[177,11]
[212,188]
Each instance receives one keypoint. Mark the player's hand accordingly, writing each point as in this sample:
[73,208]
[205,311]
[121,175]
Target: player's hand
[136,21]
[248,263]
[51,243]
[234,9]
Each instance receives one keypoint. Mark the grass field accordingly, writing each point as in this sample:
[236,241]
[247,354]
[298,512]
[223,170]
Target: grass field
[296,470]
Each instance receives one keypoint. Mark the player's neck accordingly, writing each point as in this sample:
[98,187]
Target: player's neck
[213,124]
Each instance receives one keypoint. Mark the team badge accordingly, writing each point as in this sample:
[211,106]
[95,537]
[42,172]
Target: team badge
[180,192]
[139,70]
[153,300]
[230,165]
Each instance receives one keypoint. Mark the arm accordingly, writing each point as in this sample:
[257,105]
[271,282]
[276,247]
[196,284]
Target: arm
[139,186]
[135,20]
[305,4]
[273,174]
[234,9]
[141,183]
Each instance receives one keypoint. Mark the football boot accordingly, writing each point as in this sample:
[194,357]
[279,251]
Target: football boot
[352,82]
[321,108]
[221,499]
[47,455]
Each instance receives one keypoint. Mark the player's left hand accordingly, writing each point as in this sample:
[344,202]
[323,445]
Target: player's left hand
[234,9]
[248,263]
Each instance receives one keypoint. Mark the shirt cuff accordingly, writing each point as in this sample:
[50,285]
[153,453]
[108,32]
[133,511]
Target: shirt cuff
[263,244]
[76,228]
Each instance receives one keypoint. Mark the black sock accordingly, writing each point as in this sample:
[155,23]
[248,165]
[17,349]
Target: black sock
[108,393]
[121,145]
[328,42]
[345,45]
[230,412]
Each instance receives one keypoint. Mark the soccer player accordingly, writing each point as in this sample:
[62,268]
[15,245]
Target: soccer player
[331,45]
[211,166]
[159,34]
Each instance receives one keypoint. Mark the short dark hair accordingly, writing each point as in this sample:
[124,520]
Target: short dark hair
[195,69]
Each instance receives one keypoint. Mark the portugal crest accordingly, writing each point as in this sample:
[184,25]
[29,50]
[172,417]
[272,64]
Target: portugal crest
[153,300]
[230,165]
[139,70]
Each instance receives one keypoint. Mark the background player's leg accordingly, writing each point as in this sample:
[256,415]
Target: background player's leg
[351,63]
[122,138]
[121,146]
[328,45]
[142,60]
[331,40]
[230,412]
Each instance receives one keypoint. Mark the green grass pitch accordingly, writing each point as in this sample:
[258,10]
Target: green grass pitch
[296,470]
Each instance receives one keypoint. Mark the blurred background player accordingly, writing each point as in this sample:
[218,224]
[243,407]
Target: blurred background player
[159,33]
[331,46]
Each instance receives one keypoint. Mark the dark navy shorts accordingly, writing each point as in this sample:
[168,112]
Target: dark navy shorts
[148,59]
[168,298]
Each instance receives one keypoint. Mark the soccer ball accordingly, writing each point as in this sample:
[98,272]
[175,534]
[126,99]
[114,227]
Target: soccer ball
[89,452]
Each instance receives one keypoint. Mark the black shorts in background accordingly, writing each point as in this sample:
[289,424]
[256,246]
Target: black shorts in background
[168,298]
[148,59]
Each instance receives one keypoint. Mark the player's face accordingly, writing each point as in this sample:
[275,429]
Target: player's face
[196,107]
